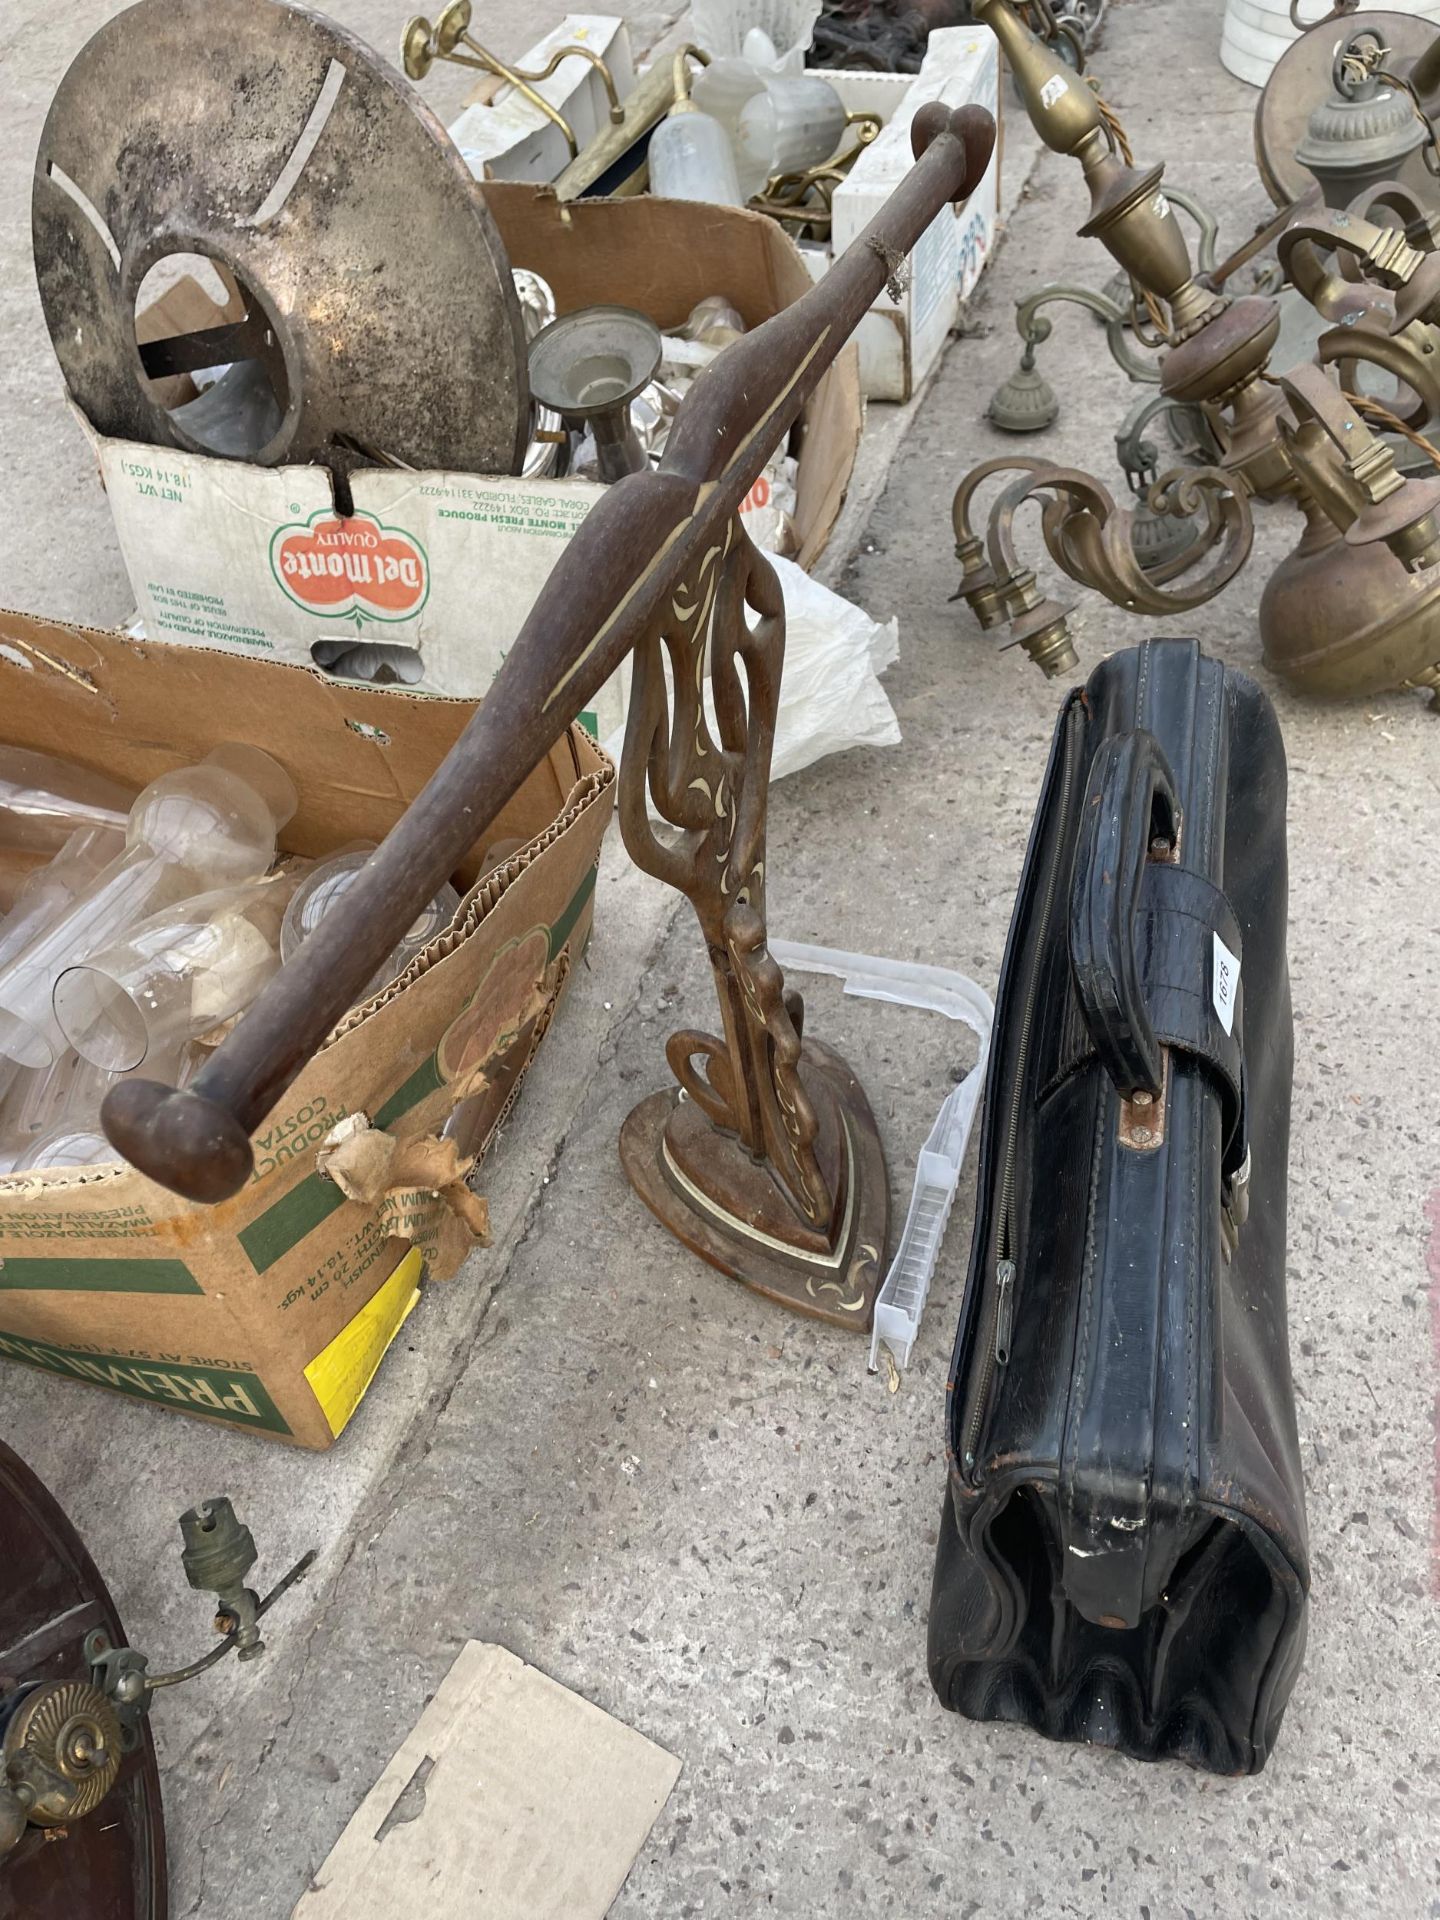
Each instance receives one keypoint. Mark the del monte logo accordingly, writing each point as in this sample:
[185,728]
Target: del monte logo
[350,569]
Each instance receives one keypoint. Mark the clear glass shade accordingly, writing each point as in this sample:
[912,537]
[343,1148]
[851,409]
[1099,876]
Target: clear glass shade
[179,974]
[190,831]
[44,799]
[691,159]
[796,123]
[326,884]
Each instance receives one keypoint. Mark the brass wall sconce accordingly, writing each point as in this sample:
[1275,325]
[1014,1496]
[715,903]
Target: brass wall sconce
[765,1159]
[1352,609]
[423,44]
[615,160]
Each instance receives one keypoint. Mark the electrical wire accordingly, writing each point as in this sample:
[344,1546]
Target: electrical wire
[1121,142]
[1379,411]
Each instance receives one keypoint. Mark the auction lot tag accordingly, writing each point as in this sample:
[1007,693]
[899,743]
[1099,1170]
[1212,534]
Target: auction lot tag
[1226,984]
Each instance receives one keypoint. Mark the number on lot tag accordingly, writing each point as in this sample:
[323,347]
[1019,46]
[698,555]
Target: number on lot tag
[1226,984]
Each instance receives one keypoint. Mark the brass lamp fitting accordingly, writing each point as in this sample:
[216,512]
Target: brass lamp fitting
[1386,507]
[1041,626]
[680,77]
[1037,623]
[647,106]
[979,588]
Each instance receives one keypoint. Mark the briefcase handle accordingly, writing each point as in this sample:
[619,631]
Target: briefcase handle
[1131,817]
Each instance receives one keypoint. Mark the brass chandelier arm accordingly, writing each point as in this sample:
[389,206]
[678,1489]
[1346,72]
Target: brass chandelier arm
[1412,364]
[979,588]
[1089,536]
[1263,238]
[1034,330]
[968,488]
[1419,222]
[1369,325]
[1037,623]
[1383,254]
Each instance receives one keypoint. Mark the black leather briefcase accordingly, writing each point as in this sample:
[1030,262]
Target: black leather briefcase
[1122,1555]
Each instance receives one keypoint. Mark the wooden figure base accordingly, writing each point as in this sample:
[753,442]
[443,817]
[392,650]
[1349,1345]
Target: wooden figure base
[741,1221]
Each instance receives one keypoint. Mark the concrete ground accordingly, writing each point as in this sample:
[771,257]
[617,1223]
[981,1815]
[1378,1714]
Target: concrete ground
[704,1515]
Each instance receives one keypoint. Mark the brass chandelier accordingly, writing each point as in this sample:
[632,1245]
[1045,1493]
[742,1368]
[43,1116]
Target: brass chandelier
[1355,607]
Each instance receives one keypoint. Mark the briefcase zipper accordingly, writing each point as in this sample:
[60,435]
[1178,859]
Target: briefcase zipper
[1000,1320]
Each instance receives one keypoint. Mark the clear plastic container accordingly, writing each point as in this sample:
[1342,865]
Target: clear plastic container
[43,1101]
[50,889]
[67,1146]
[177,975]
[44,1110]
[44,799]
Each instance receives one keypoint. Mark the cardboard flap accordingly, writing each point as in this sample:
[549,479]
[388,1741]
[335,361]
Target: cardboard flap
[79,691]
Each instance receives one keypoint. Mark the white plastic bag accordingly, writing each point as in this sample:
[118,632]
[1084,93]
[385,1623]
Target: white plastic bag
[830,694]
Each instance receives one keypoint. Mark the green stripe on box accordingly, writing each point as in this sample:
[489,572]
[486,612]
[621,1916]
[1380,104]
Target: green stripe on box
[97,1276]
[422,1083]
[565,925]
[228,1394]
[591,723]
[274,1233]
[271,1235]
